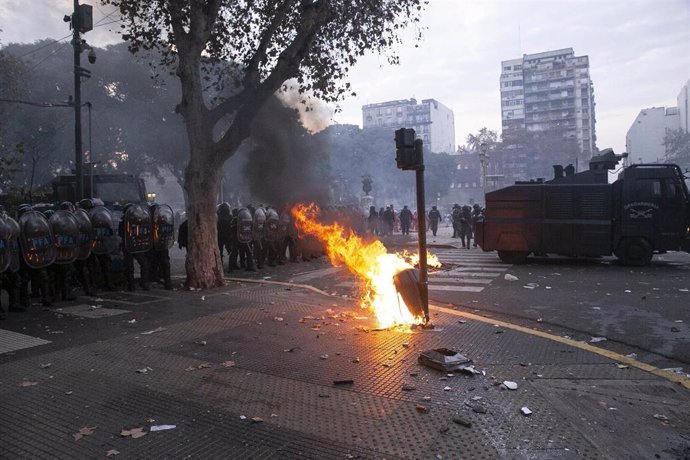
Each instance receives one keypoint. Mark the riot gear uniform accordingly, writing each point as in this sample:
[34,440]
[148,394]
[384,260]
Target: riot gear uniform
[103,242]
[244,238]
[163,237]
[258,230]
[9,277]
[223,229]
[65,229]
[135,231]
[272,237]
[38,252]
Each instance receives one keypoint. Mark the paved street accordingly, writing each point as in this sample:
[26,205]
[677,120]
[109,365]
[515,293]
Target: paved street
[260,368]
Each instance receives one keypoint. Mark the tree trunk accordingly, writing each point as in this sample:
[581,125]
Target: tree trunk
[203,263]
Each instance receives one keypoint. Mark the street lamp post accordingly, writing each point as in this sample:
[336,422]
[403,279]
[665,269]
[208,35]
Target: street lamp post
[483,160]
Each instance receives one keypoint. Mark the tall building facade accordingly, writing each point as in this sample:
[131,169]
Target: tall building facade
[550,91]
[432,121]
[644,141]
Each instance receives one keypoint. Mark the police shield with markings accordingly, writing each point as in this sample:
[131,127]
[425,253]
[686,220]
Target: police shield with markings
[245,222]
[135,231]
[163,237]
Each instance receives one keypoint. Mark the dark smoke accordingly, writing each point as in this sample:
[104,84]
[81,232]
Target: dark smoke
[284,165]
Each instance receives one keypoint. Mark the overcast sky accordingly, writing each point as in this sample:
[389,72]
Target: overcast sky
[639,53]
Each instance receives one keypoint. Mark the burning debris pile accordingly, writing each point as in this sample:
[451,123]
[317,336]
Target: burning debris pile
[370,262]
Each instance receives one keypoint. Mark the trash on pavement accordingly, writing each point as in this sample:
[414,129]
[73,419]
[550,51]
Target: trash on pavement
[132,321]
[85,431]
[153,331]
[228,364]
[162,427]
[510,385]
[343,382]
[661,417]
[597,339]
[256,420]
[509,277]
[462,421]
[408,387]
[46,365]
[278,318]
[324,356]
[443,359]
[144,370]
[622,366]
[422,408]
[447,388]
[531,285]
[112,452]
[525,411]
[134,433]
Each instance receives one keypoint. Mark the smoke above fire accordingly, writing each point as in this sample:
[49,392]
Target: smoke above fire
[284,164]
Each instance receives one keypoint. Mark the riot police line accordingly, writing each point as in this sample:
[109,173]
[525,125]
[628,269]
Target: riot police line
[46,251]
[254,237]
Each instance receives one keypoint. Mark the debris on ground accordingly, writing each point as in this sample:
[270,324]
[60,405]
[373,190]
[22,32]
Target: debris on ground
[324,356]
[153,331]
[144,370]
[278,318]
[85,431]
[509,277]
[343,382]
[510,385]
[531,286]
[228,364]
[622,366]
[162,427]
[408,387]
[134,433]
[28,383]
[201,342]
[256,420]
[422,408]
[597,339]
[132,321]
[525,411]
[46,365]
[112,452]
[199,366]
[462,421]
[631,355]
[443,359]
[661,417]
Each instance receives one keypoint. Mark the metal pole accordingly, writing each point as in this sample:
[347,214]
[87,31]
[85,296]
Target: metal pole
[421,231]
[93,165]
[76,44]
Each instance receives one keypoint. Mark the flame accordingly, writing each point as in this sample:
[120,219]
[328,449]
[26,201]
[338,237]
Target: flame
[431,259]
[369,261]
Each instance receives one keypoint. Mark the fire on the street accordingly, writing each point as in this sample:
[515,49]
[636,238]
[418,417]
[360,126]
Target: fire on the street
[369,261]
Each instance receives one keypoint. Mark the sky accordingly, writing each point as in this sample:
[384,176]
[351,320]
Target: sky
[639,54]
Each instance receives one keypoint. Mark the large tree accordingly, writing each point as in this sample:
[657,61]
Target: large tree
[259,45]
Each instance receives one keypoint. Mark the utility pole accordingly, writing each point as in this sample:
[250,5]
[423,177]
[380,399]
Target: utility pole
[81,21]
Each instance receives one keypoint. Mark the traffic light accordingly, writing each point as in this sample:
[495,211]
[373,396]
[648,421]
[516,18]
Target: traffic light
[83,21]
[407,149]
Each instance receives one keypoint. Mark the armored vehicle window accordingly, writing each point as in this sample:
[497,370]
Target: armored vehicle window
[647,189]
[674,191]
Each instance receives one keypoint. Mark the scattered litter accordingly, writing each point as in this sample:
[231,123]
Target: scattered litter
[324,356]
[201,342]
[531,286]
[69,392]
[56,332]
[96,307]
[622,366]
[675,329]
[443,359]
[203,297]
[547,287]
[153,331]
[684,290]
[678,321]
[407,345]
[289,350]
[462,421]
[596,308]
[343,382]
[408,387]
[257,419]
[132,321]
[426,398]
[509,277]
[28,383]
[323,395]
[422,408]
[199,366]
[112,452]
[661,417]
[539,320]
[243,417]
[228,364]
[356,360]
[477,408]
[462,321]
[628,291]
[278,318]
[86,431]
[447,388]
[134,433]
[144,370]
[510,385]
[476,398]
[677,370]
[525,411]
[46,365]
[597,339]
[631,355]
[162,427]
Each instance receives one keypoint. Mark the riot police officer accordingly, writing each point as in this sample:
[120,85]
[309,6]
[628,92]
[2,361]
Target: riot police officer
[244,224]
[38,252]
[135,232]
[163,224]
[103,243]
[10,262]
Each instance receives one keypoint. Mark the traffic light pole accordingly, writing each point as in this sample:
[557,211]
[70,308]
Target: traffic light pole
[421,231]
[78,154]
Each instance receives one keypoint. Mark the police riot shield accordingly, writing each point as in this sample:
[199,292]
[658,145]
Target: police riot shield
[13,243]
[163,227]
[85,234]
[36,240]
[65,229]
[245,224]
[258,224]
[137,229]
[5,254]
[284,224]
[272,225]
[104,240]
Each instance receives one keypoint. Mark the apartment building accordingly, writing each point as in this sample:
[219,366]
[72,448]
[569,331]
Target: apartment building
[432,121]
